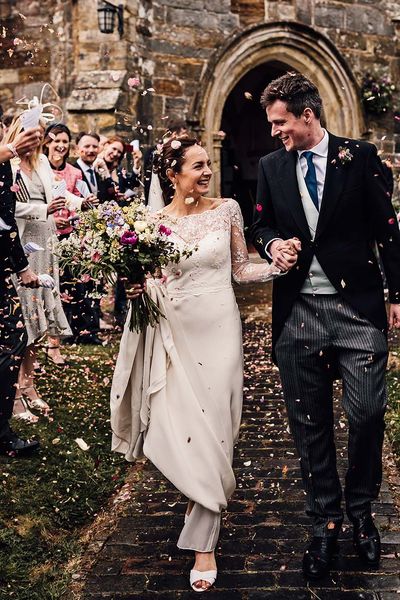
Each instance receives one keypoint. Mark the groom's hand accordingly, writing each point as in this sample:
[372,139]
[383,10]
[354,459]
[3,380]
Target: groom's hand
[394,316]
[284,253]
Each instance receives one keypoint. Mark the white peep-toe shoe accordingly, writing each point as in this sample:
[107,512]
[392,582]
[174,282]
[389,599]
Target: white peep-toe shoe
[209,576]
[25,415]
[36,403]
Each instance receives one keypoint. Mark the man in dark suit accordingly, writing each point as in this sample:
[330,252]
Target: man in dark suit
[84,314]
[88,145]
[105,188]
[329,311]
[13,337]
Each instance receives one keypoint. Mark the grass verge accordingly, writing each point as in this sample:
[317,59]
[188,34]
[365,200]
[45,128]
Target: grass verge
[46,500]
[393,414]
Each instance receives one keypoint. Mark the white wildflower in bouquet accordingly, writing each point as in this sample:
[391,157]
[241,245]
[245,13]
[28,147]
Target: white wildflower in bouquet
[111,241]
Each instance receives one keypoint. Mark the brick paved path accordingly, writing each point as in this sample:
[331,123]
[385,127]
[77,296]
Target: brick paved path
[264,529]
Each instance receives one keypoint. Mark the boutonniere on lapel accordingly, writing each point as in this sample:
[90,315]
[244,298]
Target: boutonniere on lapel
[344,156]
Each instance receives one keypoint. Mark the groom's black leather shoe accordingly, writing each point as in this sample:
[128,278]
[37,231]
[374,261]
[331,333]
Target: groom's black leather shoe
[12,445]
[318,557]
[367,541]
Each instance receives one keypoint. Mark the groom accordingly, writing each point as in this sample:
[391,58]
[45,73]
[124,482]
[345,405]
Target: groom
[329,312]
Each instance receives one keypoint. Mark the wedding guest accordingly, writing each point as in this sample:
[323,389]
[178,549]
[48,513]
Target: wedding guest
[81,311]
[88,147]
[12,260]
[56,146]
[177,388]
[36,211]
[108,166]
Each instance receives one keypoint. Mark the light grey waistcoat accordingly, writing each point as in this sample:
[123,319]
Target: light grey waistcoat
[316,282]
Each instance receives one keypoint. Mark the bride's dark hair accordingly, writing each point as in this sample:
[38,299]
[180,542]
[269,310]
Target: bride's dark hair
[171,155]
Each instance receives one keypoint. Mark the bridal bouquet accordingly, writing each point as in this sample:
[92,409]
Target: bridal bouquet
[111,241]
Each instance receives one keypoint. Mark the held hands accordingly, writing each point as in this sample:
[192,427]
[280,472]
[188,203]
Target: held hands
[28,279]
[394,316]
[285,252]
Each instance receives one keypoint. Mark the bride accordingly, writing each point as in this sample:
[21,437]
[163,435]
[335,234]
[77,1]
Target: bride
[177,389]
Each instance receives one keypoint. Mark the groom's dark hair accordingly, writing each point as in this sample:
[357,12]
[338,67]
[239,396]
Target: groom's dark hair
[297,91]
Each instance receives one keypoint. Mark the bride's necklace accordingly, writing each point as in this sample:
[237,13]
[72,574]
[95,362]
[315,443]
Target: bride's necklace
[190,200]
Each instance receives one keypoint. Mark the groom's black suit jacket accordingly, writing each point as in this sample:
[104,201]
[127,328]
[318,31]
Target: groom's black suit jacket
[356,211]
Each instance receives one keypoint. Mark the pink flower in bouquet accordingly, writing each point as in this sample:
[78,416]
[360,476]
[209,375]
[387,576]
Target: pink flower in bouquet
[129,238]
[258,207]
[165,230]
[96,256]
[85,278]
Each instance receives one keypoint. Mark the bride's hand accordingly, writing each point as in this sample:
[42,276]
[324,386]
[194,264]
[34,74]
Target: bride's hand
[291,248]
[295,246]
[295,243]
[134,290]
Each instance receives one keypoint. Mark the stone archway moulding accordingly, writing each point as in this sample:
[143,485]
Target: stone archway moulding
[300,48]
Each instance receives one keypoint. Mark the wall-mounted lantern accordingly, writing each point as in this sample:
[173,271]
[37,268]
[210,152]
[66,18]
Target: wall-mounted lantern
[106,14]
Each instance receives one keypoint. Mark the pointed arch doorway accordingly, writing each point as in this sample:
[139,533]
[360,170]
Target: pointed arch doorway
[246,136]
[247,64]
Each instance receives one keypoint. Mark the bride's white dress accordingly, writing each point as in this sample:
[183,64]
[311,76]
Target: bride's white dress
[177,389]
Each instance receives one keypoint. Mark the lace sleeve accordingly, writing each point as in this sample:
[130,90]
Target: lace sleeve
[244,271]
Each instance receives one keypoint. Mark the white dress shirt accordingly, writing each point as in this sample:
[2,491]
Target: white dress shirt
[85,167]
[319,159]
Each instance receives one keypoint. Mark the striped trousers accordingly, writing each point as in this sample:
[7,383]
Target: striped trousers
[322,335]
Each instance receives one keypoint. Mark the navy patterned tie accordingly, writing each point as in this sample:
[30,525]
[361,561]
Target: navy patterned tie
[311,178]
[91,175]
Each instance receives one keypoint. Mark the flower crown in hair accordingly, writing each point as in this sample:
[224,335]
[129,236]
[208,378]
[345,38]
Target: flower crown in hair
[48,117]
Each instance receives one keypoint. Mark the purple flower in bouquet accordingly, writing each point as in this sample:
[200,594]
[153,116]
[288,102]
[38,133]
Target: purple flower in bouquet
[164,230]
[129,238]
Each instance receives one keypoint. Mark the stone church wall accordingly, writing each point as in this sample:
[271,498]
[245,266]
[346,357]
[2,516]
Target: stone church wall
[173,46]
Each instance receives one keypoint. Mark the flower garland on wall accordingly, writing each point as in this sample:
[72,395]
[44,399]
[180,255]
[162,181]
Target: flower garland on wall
[377,94]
